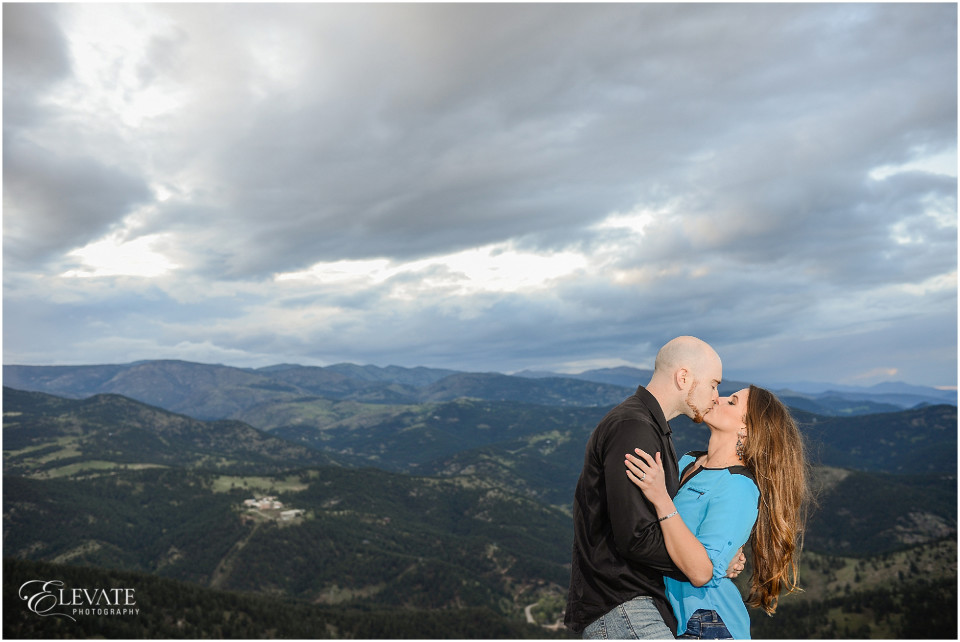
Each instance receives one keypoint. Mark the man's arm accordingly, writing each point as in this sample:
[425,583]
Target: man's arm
[636,531]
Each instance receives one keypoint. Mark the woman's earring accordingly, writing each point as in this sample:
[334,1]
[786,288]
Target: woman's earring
[740,437]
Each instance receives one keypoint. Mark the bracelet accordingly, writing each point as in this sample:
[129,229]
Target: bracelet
[667,516]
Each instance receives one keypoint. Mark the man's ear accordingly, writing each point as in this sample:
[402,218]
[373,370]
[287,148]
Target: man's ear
[681,377]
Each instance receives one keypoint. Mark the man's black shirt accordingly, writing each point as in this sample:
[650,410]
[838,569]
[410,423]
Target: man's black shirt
[618,547]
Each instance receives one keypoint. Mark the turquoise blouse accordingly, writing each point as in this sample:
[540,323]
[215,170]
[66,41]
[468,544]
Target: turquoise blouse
[719,506]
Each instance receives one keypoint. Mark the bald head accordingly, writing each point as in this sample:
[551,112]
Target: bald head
[685,378]
[685,352]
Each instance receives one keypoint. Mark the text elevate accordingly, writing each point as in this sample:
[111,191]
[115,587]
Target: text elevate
[48,597]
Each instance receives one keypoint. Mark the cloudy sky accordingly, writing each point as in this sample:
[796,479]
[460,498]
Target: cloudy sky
[483,187]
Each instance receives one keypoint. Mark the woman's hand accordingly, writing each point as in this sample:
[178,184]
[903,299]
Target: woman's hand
[646,473]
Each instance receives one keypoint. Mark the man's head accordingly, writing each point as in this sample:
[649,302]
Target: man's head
[685,378]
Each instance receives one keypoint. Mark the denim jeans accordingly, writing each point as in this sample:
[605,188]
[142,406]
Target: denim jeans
[706,625]
[637,619]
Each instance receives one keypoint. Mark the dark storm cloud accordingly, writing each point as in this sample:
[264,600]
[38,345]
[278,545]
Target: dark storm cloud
[55,202]
[533,120]
[496,129]
[34,56]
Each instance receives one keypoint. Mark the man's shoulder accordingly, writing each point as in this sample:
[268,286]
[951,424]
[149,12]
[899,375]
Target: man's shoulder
[641,407]
[630,409]
[641,400]
[629,420]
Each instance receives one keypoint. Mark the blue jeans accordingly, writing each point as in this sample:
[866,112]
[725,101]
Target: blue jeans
[706,625]
[637,619]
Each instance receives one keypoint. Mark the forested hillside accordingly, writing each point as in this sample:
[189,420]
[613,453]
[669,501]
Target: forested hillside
[347,511]
[168,609]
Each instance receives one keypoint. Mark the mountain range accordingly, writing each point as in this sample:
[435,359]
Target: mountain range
[414,491]
[215,392]
[530,452]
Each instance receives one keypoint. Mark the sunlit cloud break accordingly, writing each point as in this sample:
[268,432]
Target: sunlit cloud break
[493,268]
[112,256]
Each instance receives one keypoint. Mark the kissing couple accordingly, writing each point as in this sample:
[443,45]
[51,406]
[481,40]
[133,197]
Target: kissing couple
[657,541]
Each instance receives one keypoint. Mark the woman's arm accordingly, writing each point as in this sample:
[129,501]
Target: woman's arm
[683,546]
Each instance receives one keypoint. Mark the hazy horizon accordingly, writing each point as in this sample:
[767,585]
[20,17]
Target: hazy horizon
[727,377]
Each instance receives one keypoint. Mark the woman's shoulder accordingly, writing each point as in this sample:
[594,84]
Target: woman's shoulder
[742,479]
[742,471]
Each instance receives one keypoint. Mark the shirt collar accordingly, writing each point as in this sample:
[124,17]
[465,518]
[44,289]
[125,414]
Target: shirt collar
[654,407]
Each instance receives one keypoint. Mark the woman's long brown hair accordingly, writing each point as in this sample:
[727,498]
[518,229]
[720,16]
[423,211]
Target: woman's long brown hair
[774,452]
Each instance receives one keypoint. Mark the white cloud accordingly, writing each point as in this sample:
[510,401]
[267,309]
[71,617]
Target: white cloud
[943,162]
[633,222]
[493,268]
[109,48]
[112,256]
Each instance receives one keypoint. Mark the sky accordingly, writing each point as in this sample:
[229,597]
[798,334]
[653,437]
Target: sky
[483,187]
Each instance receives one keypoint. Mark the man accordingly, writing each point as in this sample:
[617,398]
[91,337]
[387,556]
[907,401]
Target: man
[619,555]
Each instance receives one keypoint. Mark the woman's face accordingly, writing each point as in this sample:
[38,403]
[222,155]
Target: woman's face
[730,414]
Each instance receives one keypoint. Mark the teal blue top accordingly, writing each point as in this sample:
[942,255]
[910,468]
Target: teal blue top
[719,506]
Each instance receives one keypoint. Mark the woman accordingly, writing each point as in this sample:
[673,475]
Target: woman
[750,483]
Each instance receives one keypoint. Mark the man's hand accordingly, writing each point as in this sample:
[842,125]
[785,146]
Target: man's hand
[736,564]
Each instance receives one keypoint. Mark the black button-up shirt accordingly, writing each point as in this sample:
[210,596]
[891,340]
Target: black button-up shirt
[618,547]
